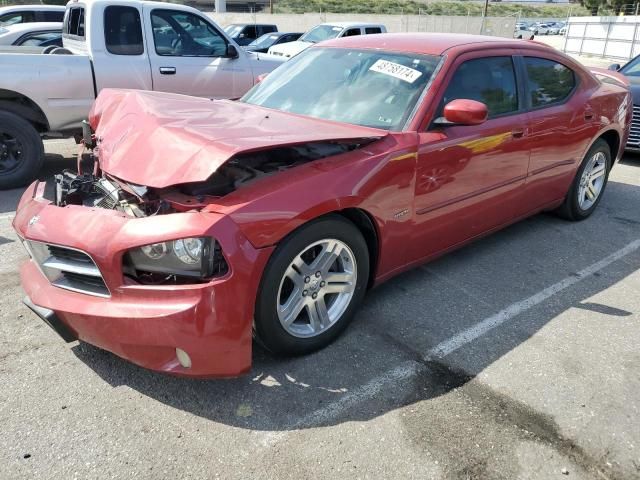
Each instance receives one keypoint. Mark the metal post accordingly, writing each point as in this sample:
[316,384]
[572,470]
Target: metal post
[485,10]
[606,40]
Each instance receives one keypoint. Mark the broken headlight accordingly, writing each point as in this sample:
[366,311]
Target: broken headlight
[194,258]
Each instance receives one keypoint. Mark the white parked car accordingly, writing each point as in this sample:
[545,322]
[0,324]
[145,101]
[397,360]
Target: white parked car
[125,44]
[325,31]
[13,34]
[553,29]
[540,29]
[30,13]
[523,32]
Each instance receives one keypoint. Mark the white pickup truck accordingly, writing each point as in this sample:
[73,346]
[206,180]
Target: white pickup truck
[116,44]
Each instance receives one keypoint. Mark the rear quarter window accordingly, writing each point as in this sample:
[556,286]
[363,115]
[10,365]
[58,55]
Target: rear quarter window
[372,30]
[548,82]
[123,30]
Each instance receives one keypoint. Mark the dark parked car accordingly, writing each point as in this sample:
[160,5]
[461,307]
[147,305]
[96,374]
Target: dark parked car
[267,40]
[631,70]
[245,33]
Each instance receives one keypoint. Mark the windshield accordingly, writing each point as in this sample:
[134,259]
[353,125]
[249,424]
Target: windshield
[365,87]
[320,33]
[233,30]
[632,69]
[264,41]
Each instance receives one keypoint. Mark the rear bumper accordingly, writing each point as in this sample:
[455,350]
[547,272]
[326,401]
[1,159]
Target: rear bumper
[211,322]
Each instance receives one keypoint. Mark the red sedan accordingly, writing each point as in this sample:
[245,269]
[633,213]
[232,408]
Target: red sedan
[206,223]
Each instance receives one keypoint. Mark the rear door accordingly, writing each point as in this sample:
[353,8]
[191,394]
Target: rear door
[188,56]
[469,178]
[561,126]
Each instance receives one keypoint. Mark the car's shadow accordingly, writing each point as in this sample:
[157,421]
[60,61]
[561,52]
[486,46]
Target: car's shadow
[381,362]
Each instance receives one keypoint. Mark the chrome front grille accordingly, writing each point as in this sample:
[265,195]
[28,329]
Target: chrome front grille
[68,268]
[634,133]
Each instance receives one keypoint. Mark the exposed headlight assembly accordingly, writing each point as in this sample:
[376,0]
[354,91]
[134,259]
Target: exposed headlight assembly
[193,258]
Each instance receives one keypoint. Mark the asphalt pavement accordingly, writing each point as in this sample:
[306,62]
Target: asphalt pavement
[514,357]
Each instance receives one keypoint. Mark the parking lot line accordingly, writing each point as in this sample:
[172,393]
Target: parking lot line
[410,369]
[470,334]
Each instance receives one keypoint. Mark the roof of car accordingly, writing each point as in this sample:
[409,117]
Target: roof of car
[40,8]
[33,27]
[426,43]
[252,24]
[352,24]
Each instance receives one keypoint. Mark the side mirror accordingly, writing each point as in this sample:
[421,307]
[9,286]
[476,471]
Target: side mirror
[614,67]
[261,77]
[232,51]
[463,111]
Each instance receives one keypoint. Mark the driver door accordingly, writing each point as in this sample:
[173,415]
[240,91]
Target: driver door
[187,56]
[470,177]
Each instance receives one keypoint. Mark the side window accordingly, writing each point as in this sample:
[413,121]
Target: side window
[50,16]
[351,32]
[490,80]
[250,31]
[182,34]
[74,25]
[370,30]
[14,18]
[123,30]
[269,29]
[549,82]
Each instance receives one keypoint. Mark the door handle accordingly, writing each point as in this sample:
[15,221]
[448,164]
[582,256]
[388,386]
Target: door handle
[588,115]
[517,132]
[168,70]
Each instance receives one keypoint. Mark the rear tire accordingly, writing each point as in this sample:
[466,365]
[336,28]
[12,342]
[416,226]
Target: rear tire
[312,286]
[21,151]
[589,183]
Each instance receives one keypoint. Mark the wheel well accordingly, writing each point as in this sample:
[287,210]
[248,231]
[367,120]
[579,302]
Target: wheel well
[613,139]
[363,221]
[24,107]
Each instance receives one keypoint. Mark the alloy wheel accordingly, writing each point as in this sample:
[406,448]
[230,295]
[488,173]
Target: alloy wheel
[317,288]
[592,181]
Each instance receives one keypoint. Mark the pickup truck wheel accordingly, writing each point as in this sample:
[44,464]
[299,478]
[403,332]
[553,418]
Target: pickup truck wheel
[21,151]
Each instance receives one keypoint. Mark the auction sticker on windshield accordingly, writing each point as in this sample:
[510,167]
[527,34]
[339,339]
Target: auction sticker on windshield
[396,70]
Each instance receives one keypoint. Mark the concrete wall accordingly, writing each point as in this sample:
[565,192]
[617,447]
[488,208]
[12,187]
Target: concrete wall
[500,26]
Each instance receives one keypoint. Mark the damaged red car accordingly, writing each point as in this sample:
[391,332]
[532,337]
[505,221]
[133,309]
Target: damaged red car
[204,224]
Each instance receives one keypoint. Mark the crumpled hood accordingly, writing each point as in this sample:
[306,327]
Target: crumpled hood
[161,139]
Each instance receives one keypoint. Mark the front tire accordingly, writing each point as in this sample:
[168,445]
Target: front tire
[589,183]
[21,151]
[312,286]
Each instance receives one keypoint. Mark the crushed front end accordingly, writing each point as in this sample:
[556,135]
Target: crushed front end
[144,274]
